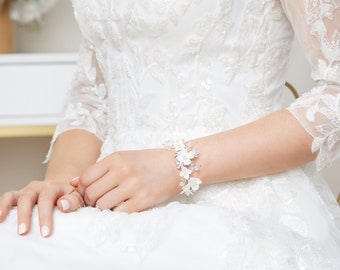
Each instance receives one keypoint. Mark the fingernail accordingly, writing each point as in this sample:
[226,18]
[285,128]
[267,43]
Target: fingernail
[0,213]
[65,204]
[75,179]
[45,231]
[22,228]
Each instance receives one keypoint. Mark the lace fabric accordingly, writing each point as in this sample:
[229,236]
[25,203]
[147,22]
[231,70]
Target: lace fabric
[317,26]
[86,104]
[199,67]
[152,70]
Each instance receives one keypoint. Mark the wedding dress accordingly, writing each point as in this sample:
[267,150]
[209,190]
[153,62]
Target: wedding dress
[154,70]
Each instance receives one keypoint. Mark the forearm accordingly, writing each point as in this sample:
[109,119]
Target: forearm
[73,152]
[270,145]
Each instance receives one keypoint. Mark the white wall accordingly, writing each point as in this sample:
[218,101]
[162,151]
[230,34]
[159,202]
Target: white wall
[20,159]
[58,32]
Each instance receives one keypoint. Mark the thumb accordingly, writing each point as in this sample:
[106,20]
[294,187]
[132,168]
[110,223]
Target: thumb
[70,202]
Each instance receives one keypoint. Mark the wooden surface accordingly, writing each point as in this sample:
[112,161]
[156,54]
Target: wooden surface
[6,29]
[26,131]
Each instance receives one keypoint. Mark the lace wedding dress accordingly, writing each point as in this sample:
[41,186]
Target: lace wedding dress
[154,70]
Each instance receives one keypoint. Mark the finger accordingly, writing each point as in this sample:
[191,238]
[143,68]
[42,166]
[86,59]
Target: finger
[92,174]
[25,205]
[7,201]
[75,181]
[70,202]
[46,203]
[113,198]
[130,206]
[99,188]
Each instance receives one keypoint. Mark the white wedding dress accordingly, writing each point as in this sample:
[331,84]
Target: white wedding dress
[154,70]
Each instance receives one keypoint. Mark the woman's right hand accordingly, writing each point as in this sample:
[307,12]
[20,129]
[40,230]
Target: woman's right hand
[46,195]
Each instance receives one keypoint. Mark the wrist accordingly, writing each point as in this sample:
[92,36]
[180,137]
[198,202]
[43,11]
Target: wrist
[187,171]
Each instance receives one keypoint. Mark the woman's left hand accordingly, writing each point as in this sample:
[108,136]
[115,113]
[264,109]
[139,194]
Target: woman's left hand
[130,181]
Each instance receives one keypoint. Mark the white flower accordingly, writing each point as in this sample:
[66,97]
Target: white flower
[192,186]
[194,183]
[184,157]
[184,160]
[185,173]
[27,11]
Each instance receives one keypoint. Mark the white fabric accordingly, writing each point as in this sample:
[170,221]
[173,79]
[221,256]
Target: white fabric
[154,70]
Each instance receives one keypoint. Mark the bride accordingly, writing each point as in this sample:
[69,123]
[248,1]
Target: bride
[176,149]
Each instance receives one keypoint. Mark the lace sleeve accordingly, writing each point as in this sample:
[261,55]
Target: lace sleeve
[85,107]
[317,26]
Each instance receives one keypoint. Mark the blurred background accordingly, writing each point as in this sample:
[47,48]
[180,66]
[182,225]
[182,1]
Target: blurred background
[55,33]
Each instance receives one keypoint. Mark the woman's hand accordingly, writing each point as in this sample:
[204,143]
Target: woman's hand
[130,181]
[44,194]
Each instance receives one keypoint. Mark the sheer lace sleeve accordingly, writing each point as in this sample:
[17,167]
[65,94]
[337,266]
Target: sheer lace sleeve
[317,26]
[85,106]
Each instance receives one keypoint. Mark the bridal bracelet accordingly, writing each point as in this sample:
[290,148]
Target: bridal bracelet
[185,156]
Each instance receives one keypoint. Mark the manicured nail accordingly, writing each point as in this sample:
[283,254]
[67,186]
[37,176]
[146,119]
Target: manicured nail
[22,228]
[75,179]
[65,204]
[45,231]
[0,213]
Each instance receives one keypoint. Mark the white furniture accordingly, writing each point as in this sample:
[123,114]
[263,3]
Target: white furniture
[33,88]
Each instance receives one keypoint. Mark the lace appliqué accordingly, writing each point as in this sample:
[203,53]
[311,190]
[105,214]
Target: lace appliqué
[317,13]
[263,55]
[322,110]
[86,106]
[318,110]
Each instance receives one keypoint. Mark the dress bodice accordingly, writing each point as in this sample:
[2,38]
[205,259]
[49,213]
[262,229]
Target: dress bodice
[187,67]
[151,70]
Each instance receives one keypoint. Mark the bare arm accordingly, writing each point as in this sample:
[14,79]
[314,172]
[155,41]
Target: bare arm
[129,181]
[308,130]
[270,145]
[73,152]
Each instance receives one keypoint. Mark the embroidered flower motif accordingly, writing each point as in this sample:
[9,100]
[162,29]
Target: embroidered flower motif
[191,70]
[318,110]
[78,113]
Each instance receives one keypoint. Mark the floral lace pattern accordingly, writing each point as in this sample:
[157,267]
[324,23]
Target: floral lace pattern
[86,104]
[185,67]
[157,70]
[319,110]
